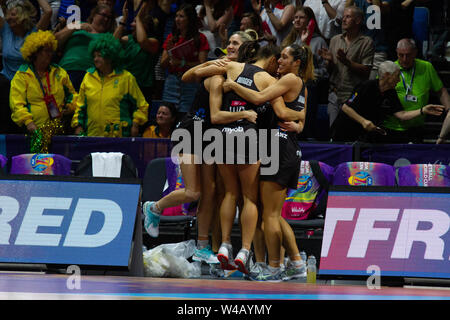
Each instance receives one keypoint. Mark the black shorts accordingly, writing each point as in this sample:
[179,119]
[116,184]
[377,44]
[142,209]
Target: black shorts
[289,160]
[240,143]
[195,144]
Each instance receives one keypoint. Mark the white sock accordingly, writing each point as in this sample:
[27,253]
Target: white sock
[272,269]
[243,254]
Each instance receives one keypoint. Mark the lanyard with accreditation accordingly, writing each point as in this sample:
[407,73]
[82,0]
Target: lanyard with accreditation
[409,97]
[49,99]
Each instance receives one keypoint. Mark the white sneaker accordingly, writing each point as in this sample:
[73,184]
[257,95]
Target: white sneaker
[225,257]
[242,261]
[294,272]
[205,255]
[151,219]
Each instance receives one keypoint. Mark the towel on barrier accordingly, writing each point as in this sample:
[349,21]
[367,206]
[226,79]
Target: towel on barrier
[106,164]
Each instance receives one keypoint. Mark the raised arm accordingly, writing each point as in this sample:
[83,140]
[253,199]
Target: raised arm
[3,6]
[190,75]
[150,45]
[210,70]
[286,18]
[46,16]
[214,24]
[118,33]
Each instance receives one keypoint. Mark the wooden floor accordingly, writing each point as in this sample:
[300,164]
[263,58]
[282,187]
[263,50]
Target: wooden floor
[31,286]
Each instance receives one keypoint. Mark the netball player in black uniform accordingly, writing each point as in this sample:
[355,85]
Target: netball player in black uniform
[199,178]
[294,62]
[244,178]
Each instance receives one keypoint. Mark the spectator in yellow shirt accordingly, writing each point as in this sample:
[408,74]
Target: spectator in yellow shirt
[110,102]
[40,91]
[166,118]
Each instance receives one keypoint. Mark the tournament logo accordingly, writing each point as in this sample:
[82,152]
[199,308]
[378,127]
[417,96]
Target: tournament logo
[41,162]
[360,178]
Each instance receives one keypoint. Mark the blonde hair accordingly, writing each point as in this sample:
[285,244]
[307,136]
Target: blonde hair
[247,35]
[35,41]
[25,11]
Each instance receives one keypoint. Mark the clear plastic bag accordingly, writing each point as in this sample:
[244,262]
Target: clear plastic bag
[169,260]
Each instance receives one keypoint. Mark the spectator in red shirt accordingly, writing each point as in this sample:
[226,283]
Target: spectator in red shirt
[183,49]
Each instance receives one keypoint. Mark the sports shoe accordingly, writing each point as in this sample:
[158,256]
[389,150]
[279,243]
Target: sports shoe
[225,257]
[267,275]
[293,272]
[243,261]
[151,219]
[255,270]
[216,271]
[205,255]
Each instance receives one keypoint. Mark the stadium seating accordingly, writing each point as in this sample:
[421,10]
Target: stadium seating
[364,174]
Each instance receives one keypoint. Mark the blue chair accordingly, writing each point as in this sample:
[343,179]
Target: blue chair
[421,29]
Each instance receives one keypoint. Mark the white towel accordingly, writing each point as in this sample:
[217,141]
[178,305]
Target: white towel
[106,164]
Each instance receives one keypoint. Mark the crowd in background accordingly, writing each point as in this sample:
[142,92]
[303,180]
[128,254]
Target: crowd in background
[99,78]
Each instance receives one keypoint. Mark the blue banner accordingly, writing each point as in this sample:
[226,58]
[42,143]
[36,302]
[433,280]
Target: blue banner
[67,222]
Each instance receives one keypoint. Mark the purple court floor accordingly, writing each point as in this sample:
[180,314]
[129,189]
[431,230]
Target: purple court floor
[32,286]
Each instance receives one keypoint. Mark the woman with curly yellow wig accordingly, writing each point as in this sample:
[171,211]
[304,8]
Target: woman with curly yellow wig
[40,91]
[110,102]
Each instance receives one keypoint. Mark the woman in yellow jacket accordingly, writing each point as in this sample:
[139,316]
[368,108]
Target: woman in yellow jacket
[110,102]
[40,91]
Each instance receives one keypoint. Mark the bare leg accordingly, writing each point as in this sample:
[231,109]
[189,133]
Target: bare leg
[289,241]
[191,191]
[273,196]
[249,178]
[259,244]
[206,208]
[216,232]
[228,207]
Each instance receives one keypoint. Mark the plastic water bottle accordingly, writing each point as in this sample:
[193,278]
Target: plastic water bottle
[303,256]
[311,270]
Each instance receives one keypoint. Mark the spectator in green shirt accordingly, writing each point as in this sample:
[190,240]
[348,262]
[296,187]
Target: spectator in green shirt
[74,42]
[417,79]
[140,48]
